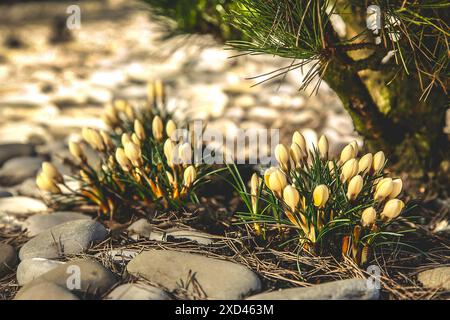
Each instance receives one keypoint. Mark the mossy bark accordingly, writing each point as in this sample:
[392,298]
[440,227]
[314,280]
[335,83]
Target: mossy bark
[392,117]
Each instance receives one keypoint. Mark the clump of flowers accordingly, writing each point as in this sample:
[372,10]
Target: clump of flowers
[331,205]
[143,162]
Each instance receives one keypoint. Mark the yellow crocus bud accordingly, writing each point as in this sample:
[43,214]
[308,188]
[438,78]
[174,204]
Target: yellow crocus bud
[135,139]
[168,149]
[97,141]
[320,195]
[355,146]
[354,187]
[94,139]
[76,151]
[254,184]
[397,188]
[378,161]
[282,156]
[349,170]
[323,147]
[331,167]
[291,197]
[297,155]
[365,163]
[150,92]
[267,174]
[139,130]
[157,128]
[125,138]
[190,174]
[185,153]
[159,91]
[170,178]
[392,209]
[85,134]
[107,141]
[133,153]
[277,181]
[110,117]
[129,112]
[368,217]
[46,184]
[171,127]
[383,189]
[299,139]
[254,189]
[122,160]
[347,153]
[52,173]
[120,105]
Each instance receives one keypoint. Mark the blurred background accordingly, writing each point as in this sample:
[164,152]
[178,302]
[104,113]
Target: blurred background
[55,81]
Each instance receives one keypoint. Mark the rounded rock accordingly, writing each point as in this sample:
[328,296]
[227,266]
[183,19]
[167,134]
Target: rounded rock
[137,291]
[168,268]
[46,291]
[71,237]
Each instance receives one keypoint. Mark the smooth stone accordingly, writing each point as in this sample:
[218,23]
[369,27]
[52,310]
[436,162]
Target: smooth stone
[8,259]
[46,291]
[308,118]
[145,229]
[23,132]
[17,170]
[209,101]
[99,95]
[94,278]
[30,269]
[137,291]
[14,150]
[212,60]
[224,126]
[71,237]
[36,224]
[350,289]
[21,205]
[65,125]
[245,101]
[235,113]
[9,222]
[192,235]
[437,278]
[263,113]
[23,110]
[108,78]
[168,268]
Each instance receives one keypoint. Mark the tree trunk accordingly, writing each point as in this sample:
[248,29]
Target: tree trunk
[393,118]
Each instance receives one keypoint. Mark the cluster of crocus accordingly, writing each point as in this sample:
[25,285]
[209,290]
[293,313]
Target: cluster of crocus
[138,166]
[348,200]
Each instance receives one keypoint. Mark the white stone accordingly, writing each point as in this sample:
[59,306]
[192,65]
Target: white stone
[29,269]
[137,291]
[21,205]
